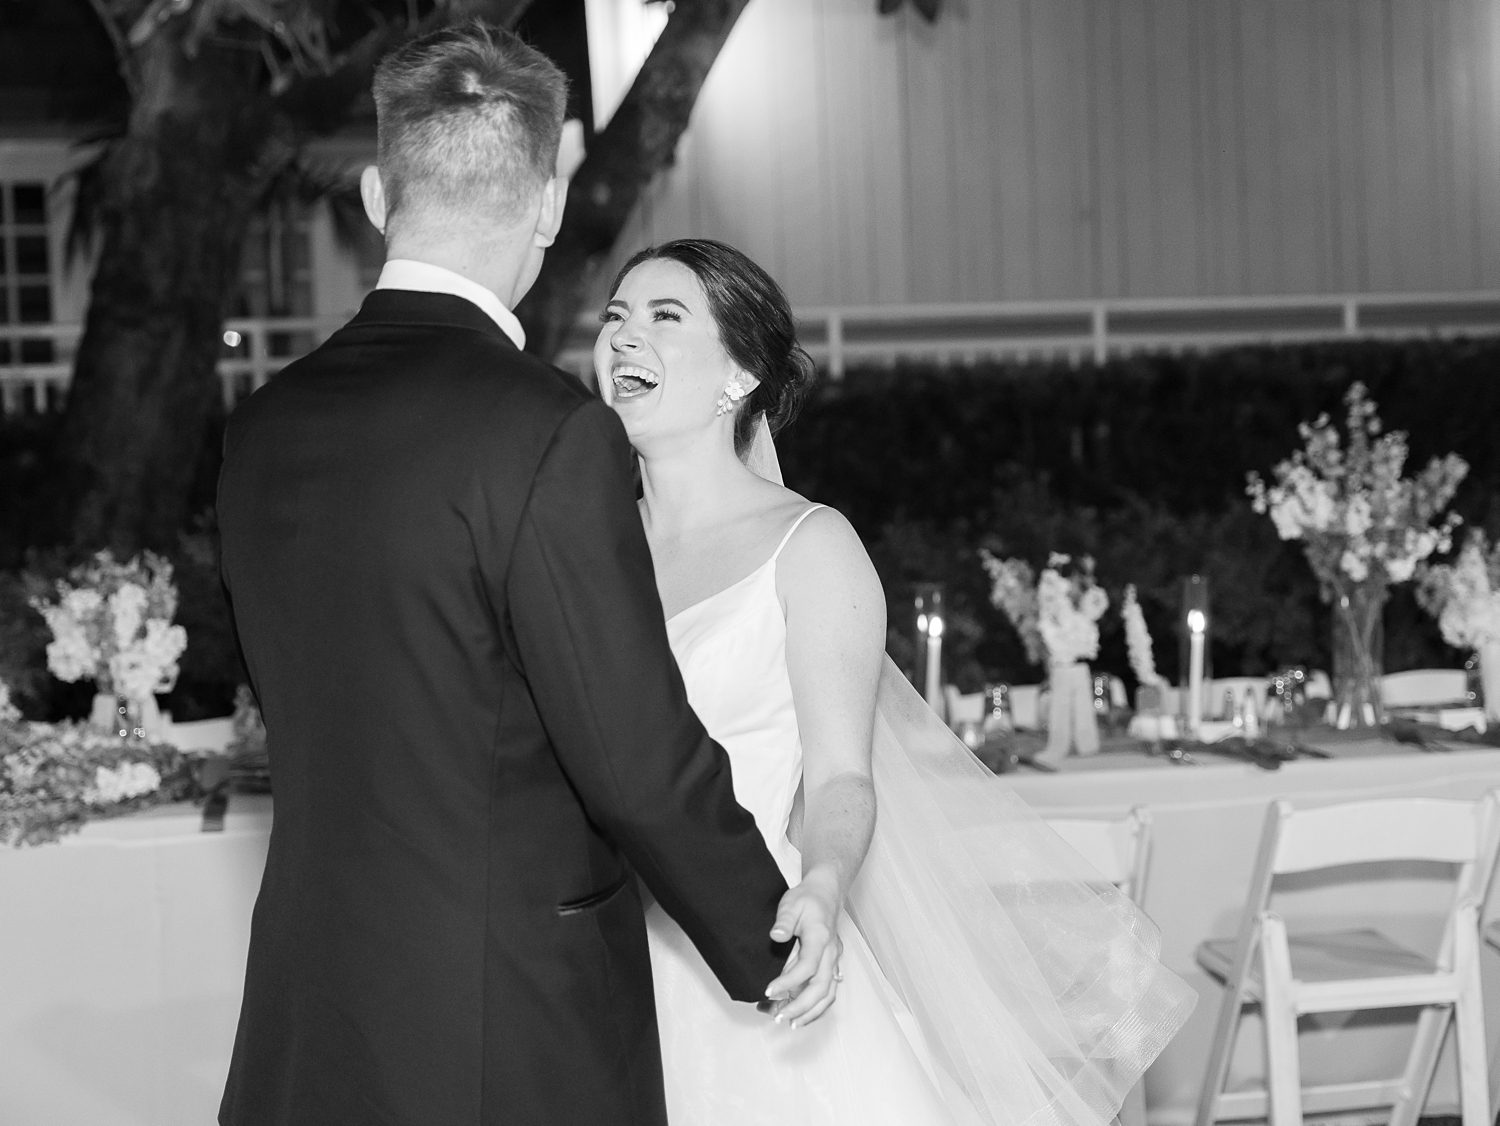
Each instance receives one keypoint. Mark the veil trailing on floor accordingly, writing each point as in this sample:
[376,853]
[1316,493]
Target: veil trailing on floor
[1001,940]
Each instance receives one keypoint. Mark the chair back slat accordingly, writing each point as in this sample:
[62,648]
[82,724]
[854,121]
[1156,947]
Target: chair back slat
[1423,687]
[1431,829]
[1118,849]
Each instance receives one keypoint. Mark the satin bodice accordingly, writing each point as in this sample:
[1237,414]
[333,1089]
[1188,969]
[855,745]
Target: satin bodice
[731,648]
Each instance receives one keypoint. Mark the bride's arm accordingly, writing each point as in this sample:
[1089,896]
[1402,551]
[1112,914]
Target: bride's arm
[835,615]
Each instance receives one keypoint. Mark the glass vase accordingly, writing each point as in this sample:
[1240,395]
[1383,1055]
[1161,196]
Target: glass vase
[1071,725]
[1487,657]
[104,712]
[132,720]
[1358,655]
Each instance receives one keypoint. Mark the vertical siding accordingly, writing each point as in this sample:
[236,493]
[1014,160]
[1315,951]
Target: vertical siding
[1031,149]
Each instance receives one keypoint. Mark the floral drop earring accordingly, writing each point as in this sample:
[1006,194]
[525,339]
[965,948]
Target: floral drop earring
[733,393]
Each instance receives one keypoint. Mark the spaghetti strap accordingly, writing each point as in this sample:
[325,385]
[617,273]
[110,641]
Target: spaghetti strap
[797,523]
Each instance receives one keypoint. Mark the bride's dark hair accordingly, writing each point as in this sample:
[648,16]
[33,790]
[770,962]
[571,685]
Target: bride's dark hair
[755,326]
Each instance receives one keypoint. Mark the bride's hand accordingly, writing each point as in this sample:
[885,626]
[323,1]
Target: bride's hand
[809,983]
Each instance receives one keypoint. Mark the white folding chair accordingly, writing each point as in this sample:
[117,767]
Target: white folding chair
[1025,705]
[963,707]
[1120,850]
[1355,969]
[1236,689]
[1418,688]
[1491,934]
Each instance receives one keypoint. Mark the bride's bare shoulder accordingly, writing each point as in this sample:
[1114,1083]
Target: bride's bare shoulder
[825,552]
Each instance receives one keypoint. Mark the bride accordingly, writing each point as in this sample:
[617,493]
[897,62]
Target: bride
[983,973]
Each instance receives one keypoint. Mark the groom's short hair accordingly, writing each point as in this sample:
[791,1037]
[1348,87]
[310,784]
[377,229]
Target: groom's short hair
[469,119]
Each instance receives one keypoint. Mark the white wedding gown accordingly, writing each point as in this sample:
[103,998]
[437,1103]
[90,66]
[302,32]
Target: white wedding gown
[725,1063]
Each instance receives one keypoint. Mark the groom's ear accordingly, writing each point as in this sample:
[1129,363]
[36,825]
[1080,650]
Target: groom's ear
[372,194]
[549,215]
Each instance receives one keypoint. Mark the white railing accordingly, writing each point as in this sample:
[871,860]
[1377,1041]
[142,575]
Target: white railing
[1080,331]
[36,360]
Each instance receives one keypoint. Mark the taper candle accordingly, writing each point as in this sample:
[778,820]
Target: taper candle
[1197,622]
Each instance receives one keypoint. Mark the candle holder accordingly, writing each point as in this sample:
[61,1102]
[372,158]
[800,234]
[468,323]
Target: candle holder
[930,622]
[998,717]
[1105,710]
[1286,698]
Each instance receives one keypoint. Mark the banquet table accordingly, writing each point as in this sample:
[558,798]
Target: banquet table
[1206,825]
[122,952]
[122,948]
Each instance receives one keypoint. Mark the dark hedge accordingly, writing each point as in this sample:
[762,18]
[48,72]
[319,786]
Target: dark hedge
[1140,462]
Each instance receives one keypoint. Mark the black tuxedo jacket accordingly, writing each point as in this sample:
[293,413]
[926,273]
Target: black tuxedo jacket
[446,606]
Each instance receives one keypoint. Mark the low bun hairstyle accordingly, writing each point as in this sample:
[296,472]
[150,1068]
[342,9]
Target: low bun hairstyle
[755,326]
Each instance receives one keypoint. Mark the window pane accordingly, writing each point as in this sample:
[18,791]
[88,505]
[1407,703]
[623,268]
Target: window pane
[298,252]
[301,296]
[35,304]
[290,345]
[4,255]
[30,203]
[31,255]
[4,351]
[37,352]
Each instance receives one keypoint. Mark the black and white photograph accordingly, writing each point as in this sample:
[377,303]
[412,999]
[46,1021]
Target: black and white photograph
[749,562]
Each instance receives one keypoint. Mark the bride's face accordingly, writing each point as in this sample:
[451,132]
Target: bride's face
[659,359]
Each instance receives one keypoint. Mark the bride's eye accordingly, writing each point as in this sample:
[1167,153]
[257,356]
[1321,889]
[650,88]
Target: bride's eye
[667,315]
[609,316]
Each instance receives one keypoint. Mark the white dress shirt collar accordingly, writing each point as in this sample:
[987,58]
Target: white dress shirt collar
[424,277]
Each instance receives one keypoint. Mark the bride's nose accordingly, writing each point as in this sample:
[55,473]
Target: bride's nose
[625,337]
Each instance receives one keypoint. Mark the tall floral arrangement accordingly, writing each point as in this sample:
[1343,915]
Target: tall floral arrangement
[1058,619]
[1345,498]
[1138,641]
[112,622]
[1013,593]
[1056,613]
[1069,606]
[1464,595]
[1363,526]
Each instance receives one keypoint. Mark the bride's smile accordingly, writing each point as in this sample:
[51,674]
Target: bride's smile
[632,381]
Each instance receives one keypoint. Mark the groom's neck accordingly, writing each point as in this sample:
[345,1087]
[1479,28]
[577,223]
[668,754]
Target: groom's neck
[500,264]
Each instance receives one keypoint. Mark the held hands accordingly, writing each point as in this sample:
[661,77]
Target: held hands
[809,982]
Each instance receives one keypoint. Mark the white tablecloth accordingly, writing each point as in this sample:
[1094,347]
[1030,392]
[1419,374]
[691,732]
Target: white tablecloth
[122,949]
[1207,821]
[122,954]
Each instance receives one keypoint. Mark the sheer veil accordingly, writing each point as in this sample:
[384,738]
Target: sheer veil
[1001,940]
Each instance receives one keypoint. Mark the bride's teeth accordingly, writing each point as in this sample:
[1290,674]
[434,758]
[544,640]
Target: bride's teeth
[631,381]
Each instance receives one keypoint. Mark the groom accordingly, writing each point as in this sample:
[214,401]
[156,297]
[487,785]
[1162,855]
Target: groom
[446,606]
